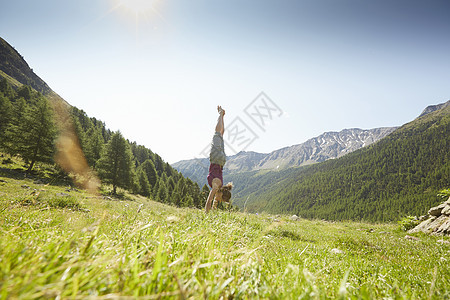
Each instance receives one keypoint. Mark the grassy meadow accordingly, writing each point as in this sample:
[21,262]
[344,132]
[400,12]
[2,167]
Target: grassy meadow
[63,243]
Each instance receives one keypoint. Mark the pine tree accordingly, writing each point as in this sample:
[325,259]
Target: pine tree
[6,89]
[25,92]
[116,163]
[150,171]
[195,194]
[33,132]
[170,188]
[94,146]
[5,117]
[155,189]
[12,137]
[162,192]
[144,185]
[204,193]
[80,134]
[189,201]
[179,192]
[159,164]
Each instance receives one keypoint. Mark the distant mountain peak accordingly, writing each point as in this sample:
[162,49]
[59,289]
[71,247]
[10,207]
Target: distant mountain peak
[329,145]
[432,108]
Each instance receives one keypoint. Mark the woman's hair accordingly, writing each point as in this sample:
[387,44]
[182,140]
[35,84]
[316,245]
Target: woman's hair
[226,194]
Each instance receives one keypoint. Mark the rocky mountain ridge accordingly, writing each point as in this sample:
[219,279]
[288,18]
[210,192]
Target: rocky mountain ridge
[432,108]
[14,65]
[328,145]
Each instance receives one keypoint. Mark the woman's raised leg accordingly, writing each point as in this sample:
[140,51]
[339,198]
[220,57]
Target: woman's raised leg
[220,127]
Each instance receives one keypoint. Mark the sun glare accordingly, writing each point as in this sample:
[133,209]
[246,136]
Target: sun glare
[137,7]
[142,15]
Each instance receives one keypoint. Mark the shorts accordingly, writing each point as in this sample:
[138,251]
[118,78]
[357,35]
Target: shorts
[215,171]
[217,154]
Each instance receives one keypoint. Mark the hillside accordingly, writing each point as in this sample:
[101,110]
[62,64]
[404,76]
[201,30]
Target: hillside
[14,65]
[41,127]
[328,145]
[399,175]
[64,243]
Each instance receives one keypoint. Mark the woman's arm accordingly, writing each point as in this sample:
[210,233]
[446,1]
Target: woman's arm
[216,184]
[211,195]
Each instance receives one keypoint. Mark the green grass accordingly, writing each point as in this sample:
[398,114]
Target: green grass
[81,246]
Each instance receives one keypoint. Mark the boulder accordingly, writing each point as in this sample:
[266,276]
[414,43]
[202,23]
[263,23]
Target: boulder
[446,210]
[294,218]
[436,211]
[438,221]
[445,227]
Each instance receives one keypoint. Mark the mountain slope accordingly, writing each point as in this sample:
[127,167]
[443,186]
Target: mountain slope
[14,65]
[326,146]
[401,173]
[81,139]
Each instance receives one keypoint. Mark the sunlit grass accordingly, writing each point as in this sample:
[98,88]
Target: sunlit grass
[105,248]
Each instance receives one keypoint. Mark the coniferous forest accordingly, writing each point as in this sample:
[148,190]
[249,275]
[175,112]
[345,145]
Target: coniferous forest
[399,175]
[28,130]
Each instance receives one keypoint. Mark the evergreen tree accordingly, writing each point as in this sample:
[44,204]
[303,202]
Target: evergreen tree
[5,117]
[6,89]
[196,196]
[204,194]
[155,189]
[12,137]
[159,164]
[189,201]
[150,171]
[25,92]
[33,132]
[79,130]
[144,186]
[162,192]
[94,146]
[170,188]
[115,166]
[179,192]
[140,153]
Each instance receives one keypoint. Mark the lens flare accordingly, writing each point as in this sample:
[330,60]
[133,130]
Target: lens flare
[137,6]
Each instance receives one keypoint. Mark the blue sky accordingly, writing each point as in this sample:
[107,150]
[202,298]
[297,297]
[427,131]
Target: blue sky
[155,70]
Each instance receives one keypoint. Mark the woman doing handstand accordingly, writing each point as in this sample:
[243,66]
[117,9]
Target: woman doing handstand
[217,160]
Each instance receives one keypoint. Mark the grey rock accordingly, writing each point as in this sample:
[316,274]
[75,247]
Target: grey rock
[423,218]
[62,194]
[446,210]
[423,227]
[444,228]
[25,186]
[436,211]
[294,218]
[438,222]
[431,225]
